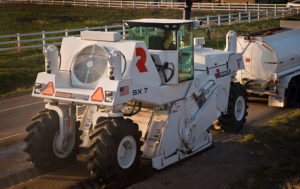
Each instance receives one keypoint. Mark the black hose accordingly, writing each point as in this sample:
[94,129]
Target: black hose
[132,110]
[248,83]
[166,67]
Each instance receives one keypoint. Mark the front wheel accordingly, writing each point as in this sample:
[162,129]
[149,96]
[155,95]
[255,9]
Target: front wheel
[235,117]
[115,149]
[40,142]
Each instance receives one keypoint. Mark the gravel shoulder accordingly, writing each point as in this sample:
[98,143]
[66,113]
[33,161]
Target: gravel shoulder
[224,163]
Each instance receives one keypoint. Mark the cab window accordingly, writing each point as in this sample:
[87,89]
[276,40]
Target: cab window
[186,53]
[154,37]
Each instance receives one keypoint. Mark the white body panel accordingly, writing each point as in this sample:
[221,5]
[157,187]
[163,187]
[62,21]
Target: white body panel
[287,47]
[166,56]
[100,36]
[173,141]
[72,45]
[215,58]
[62,84]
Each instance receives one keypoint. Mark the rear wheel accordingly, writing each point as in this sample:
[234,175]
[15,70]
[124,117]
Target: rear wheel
[292,93]
[115,149]
[235,118]
[40,142]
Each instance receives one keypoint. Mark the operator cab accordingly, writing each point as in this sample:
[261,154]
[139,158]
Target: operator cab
[170,43]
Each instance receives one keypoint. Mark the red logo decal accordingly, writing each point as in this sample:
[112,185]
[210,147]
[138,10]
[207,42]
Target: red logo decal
[142,61]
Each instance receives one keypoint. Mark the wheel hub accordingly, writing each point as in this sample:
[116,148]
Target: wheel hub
[126,152]
[66,148]
[239,109]
[89,64]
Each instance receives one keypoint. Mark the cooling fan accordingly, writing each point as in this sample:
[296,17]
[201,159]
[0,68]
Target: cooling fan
[88,66]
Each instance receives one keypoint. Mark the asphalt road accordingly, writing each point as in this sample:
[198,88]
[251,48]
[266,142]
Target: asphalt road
[16,112]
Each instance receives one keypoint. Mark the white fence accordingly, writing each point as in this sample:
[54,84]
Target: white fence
[43,39]
[251,16]
[150,4]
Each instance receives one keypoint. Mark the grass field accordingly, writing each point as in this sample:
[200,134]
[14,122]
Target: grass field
[17,18]
[18,70]
[277,148]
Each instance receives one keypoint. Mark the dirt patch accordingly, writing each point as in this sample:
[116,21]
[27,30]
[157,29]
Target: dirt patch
[215,168]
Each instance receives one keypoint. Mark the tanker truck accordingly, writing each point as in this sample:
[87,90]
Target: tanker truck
[272,65]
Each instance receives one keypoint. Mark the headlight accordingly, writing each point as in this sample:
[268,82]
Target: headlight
[109,96]
[37,88]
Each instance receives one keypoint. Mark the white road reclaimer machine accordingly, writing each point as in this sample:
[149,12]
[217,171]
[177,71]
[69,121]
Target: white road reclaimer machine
[162,68]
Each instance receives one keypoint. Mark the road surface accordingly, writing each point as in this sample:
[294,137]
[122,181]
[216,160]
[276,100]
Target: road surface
[15,114]
[214,168]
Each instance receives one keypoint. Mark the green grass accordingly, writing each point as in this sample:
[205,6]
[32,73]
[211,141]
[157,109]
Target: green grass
[17,18]
[18,70]
[277,148]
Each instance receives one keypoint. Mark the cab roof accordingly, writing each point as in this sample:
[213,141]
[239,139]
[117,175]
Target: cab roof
[161,23]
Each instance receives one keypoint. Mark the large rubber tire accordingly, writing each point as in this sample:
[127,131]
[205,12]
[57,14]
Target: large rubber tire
[292,93]
[235,118]
[39,142]
[106,141]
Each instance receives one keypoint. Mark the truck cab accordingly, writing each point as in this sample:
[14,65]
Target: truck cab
[170,44]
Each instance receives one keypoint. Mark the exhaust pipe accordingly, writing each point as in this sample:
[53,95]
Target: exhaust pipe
[187,10]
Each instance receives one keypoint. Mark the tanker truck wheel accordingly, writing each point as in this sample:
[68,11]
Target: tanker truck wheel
[292,93]
[235,118]
[40,142]
[115,149]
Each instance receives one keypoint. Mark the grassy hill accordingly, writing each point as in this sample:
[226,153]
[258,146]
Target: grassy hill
[276,147]
[18,18]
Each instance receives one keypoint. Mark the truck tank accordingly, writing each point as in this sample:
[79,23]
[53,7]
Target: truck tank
[272,51]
